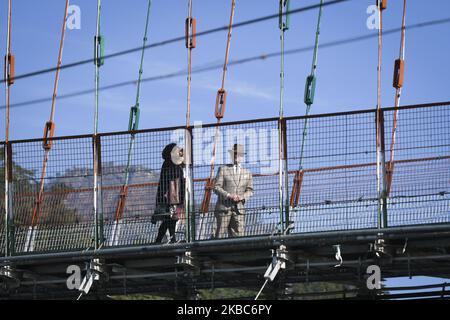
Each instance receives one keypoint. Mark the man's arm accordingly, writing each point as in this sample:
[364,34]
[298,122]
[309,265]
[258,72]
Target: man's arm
[218,185]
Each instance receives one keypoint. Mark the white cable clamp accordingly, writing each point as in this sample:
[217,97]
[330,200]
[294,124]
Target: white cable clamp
[279,259]
[338,255]
[94,272]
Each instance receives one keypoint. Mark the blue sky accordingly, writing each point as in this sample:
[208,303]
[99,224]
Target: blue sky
[346,74]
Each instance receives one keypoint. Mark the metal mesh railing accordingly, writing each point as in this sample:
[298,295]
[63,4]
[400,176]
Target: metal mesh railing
[134,225]
[338,188]
[64,218]
[260,140]
[420,190]
[337,191]
[2,200]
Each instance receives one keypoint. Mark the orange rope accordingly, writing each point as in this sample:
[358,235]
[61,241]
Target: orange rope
[380,49]
[7,75]
[220,99]
[398,84]
[58,68]
[40,195]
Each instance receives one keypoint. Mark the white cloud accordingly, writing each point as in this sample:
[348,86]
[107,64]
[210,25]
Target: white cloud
[239,87]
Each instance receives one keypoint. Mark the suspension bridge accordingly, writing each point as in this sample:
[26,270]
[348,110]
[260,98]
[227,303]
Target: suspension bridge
[333,194]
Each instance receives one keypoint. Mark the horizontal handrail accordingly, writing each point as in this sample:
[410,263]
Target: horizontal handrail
[224,124]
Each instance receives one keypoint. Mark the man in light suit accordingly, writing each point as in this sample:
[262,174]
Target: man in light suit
[234,187]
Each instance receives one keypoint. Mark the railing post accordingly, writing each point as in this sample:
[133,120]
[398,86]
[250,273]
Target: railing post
[9,214]
[283,176]
[381,171]
[189,187]
[98,203]
[286,175]
[5,161]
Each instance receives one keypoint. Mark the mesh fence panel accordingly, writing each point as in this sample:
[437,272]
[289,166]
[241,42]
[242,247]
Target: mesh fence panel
[65,217]
[338,186]
[2,232]
[260,141]
[420,189]
[2,200]
[338,189]
[134,226]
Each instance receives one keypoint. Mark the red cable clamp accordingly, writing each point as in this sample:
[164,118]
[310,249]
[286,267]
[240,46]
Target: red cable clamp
[399,69]
[47,140]
[207,197]
[296,188]
[36,209]
[9,68]
[221,100]
[389,174]
[121,205]
[190,32]
[382,4]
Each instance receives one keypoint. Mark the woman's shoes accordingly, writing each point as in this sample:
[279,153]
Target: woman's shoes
[171,241]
